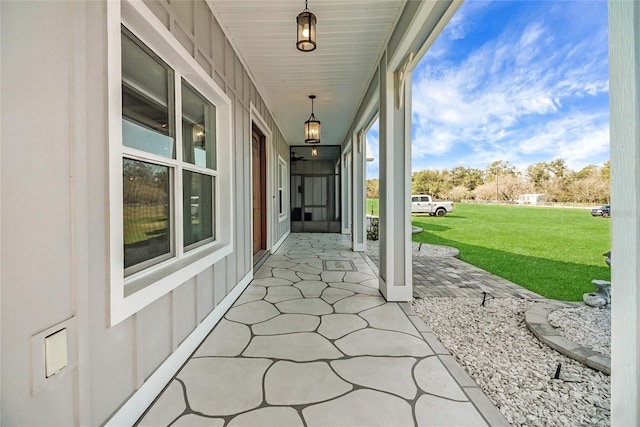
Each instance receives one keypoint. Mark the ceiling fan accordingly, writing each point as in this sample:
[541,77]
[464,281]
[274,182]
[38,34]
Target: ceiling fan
[295,159]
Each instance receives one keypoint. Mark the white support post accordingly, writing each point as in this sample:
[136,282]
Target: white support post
[396,282]
[359,224]
[345,175]
[624,63]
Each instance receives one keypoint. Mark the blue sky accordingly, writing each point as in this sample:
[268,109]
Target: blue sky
[520,81]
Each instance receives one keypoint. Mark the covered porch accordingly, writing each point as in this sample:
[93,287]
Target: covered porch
[311,341]
[123,332]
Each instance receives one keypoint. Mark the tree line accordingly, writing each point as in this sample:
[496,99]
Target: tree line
[502,181]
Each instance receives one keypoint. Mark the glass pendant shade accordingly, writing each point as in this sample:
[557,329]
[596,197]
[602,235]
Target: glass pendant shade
[306,40]
[312,127]
[312,130]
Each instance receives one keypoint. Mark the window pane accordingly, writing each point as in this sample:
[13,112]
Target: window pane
[146,212]
[147,99]
[198,207]
[198,128]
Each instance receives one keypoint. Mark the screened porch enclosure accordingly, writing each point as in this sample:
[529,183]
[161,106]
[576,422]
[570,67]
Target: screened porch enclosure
[315,189]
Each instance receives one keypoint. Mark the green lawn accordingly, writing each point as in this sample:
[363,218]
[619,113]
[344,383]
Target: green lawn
[372,207]
[554,252]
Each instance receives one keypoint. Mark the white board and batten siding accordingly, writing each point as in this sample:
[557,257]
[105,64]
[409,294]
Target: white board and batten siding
[56,206]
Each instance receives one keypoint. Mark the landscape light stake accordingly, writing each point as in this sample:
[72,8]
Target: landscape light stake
[557,375]
[419,247]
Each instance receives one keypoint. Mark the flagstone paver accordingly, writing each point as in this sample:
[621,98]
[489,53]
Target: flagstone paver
[382,343]
[332,295]
[308,276]
[242,379]
[301,347]
[308,346]
[433,378]
[192,420]
[390,374]
[315,306]
[357,303]
[283,273]
[289,383]
[334,326]
[436,411]
[252,312]
[354,287]
[389,316]
[278,294]
[227,340]
[287,324]
[270,416]
[311,288]
[361,408]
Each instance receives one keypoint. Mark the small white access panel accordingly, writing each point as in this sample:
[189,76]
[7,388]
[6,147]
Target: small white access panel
[55,352]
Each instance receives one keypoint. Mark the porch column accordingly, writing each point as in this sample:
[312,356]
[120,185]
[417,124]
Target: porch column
[345,174]
[395,185]
[359,224]
[624,67]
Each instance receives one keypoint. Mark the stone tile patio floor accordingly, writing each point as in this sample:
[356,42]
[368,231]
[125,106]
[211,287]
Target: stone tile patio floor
[311,342]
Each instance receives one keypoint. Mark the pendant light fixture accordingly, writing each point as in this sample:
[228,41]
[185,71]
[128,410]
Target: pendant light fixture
[306,40]
[312,127]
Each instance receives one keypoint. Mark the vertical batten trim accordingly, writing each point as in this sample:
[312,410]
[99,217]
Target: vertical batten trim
[133,408]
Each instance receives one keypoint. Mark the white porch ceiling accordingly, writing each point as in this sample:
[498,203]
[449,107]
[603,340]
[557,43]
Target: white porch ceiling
[351,35]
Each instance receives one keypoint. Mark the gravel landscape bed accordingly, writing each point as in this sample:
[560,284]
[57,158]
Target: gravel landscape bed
[513,368]
[584,325]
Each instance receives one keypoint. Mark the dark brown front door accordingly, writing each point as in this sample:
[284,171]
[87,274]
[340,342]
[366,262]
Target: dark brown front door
[259,192]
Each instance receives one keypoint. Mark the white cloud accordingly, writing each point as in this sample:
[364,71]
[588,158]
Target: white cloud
[575,138]
[513,98]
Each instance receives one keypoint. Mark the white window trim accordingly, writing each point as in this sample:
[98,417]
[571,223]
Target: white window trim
[130,295]
[285,185]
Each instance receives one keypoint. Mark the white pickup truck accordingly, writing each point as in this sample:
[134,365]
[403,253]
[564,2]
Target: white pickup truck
[422,203]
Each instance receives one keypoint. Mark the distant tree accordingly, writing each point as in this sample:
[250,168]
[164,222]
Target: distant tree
[430,181]
[485,192]
[606,170]
[499,168]
[539,176]
[373,189]
[511,187]
[501,180]
[467,177]
[587,171]
[459,193]
[558,168]
[590,185]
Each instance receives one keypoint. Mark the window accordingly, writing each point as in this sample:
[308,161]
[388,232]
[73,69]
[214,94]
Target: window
[282,184]
[152,168]
[146,215]
[170,159]
[147,127]
[199,151]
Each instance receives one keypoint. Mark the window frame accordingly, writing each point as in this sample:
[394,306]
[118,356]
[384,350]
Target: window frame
[129,294]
